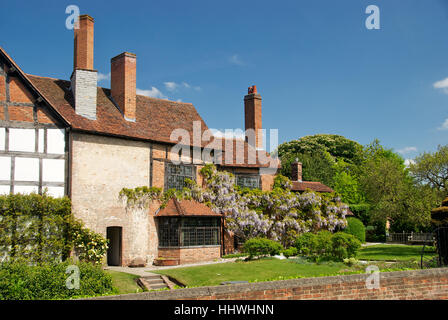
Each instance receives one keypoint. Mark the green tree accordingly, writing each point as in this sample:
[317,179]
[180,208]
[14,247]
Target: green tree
[432,169]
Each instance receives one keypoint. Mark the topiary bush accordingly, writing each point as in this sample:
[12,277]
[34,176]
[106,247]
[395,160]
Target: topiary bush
[327,246]
[290,252]
[47,281]
[257,247]
[344,246]
[356,228]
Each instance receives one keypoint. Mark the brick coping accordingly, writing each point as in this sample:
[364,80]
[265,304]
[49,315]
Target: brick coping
[193,293]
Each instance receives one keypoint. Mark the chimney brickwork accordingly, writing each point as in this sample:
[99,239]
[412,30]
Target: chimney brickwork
[123,83]
[84,78]
[296,171]
[252,115]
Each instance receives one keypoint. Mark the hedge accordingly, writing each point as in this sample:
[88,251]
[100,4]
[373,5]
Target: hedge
[39,228]
[356,228]
[257,247]
[47,281]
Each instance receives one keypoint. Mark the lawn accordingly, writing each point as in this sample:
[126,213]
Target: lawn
[257,270]
[124,282]
[394,252]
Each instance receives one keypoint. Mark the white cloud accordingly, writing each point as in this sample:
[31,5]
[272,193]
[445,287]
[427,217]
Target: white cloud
[102,76]
[442,84]
[407,150]
[444,125]
[153,92]
[407,162]
[173,86]
[235,59]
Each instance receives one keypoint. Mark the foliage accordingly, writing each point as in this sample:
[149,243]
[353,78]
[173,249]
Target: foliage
[40,228]
[140,196]
[347,186]
[20,281]
[356,228]
[89,245]
[327,246]
[350,261]
[282,182]
[432,169]
[339,147]
[258,247]
[34,227]
[317,166]
[290,252]
[344,245]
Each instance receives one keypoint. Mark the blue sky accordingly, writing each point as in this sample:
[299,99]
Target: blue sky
[316,65]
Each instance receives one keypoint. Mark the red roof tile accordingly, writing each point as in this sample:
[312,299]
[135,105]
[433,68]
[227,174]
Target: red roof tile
[315,186]
[186,208]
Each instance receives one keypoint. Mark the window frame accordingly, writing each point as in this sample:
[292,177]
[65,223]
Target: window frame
[248,175]
[167,173]
[177,225]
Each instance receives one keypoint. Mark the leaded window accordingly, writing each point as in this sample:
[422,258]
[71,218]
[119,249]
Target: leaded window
[189,231]
[176,175]
[248,181]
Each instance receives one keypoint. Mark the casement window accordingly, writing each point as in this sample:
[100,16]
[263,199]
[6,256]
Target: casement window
[32,160]
[248,181]
[189,231]
[175,175]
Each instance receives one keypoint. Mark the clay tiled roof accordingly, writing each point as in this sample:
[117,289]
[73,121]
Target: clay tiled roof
[186,208]
[315,186]
[155,118]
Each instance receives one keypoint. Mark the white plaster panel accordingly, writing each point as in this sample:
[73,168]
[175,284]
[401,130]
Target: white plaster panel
[22,139]
[55,141]
[26,169]
[41,140]
[26,189]
[57,192]
[4,189]
[53,170]
[2,138]
[5,168]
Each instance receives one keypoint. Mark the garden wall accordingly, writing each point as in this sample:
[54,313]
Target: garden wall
[416,284]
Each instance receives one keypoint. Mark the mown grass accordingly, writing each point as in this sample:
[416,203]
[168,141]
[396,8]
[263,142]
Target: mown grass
[386,252]
[124,282]
[252,271]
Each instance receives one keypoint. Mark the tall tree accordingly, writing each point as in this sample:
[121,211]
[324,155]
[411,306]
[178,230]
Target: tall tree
[432,169]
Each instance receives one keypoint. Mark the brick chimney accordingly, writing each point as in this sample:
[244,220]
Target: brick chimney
[84,77]
[252,115]
[123,83]
[296,171]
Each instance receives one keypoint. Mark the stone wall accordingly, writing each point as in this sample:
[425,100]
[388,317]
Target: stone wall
[416,285]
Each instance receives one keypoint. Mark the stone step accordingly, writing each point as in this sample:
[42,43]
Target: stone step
[154,281]
[159,286]
[156,276]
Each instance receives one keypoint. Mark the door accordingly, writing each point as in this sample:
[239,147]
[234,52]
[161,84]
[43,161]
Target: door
[114,235]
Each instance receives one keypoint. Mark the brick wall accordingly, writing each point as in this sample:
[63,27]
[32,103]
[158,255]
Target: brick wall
[416,284]
[191,255]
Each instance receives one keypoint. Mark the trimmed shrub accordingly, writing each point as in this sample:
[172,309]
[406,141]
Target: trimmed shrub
[257,247]
[356,228]
[290,252]
[327,246]
[21,281]
[344,245]
[306,243]
[40,228]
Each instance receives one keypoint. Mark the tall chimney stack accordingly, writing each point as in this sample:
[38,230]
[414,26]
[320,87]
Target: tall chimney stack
[252,114]
[83,58]
[84,77]
[296,171]
[123,83]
